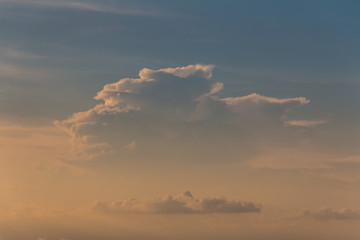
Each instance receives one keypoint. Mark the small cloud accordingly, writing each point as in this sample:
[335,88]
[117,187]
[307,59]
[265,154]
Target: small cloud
[259,99]
[200,70]
[305,123]
[130,146]
[183,203]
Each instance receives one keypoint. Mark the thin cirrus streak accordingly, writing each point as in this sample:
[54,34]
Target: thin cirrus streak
[305,123]
[85,6]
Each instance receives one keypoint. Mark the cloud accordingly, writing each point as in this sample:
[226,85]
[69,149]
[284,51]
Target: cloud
[258,99]
[305,123]
[84,6]
[166,102]
[332,214]
[130,146]
[183,203]
[13,53]
[17,71]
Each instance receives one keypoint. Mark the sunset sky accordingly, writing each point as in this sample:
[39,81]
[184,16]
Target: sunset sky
[172,120]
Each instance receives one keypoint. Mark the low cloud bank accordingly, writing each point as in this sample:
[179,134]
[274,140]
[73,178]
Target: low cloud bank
[332,214]
[183,203]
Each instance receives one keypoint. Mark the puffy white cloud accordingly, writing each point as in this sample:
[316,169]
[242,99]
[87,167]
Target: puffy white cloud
[332,214]
[160,102]
[183,203]
[204,71]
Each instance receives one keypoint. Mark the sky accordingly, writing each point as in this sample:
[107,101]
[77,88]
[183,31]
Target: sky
[199,120]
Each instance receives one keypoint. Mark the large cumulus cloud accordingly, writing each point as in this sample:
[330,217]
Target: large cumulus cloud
[167,103]
[183,203]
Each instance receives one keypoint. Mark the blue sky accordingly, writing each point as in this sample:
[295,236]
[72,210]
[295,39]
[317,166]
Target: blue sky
[267,47]
[57,54]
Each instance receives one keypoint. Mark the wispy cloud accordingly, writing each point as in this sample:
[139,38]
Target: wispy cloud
[8,70]
[305,123]
[84,6]
[26,65]
[14,53]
